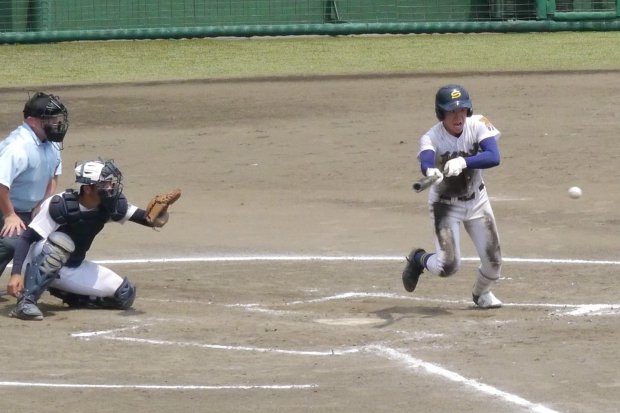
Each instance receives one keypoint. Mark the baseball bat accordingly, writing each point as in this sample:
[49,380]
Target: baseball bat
[424,183]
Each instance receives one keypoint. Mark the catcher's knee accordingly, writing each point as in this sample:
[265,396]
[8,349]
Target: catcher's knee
[54,253]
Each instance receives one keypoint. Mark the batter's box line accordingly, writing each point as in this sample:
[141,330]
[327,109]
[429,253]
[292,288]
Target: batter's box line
[91,334]
[330,352]
[376,349]
[112,335]
[571,309]
[576,309]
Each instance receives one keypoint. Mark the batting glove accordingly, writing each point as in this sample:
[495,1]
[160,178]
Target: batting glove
[434,172]
[455,166]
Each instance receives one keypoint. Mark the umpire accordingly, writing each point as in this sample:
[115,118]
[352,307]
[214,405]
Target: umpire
[30,164]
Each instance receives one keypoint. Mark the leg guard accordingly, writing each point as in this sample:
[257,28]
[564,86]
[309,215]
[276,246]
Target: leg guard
[40,272]
[125,295]
[122,299]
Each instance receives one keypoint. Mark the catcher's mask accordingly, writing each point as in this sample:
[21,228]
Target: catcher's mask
[105,177]
[452,97]
[53,114]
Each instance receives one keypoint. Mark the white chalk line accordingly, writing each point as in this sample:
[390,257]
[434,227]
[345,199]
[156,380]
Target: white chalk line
[109,335]
[377,349]
[434,369]
[106,332]
[157,387]
[580,309]
[361,258]
[380,350]
[232,348]
[335,258]
[570,308]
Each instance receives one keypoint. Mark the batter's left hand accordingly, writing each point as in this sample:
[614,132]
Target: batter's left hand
[436,173]
[454,166]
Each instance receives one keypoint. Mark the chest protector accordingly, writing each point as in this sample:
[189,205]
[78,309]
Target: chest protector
[82,226]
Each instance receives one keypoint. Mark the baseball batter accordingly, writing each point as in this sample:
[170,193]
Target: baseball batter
[455,151]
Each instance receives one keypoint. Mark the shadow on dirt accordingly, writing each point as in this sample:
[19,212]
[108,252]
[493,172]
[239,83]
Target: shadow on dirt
[392,315]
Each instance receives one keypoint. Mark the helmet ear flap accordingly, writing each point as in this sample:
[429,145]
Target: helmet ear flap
[440,114]
[470,112]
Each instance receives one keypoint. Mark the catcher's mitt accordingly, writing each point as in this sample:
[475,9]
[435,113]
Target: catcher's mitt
[157,208]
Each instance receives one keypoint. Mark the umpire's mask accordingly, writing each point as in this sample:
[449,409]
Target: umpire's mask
[53,114]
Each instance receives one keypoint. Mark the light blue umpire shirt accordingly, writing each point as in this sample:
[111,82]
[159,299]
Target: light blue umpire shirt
[26,167]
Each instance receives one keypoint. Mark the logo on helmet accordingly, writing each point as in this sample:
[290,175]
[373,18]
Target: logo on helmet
[452,97]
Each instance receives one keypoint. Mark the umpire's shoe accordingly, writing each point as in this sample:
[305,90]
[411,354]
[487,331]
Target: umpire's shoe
[412,271]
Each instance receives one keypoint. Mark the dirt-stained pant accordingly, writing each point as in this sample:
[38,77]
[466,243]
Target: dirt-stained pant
[477,218]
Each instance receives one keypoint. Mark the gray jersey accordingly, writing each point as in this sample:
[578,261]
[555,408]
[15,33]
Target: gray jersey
[446,147]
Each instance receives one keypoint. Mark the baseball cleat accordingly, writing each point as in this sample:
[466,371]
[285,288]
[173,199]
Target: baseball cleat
[26,311]
[412,271]
[487,300]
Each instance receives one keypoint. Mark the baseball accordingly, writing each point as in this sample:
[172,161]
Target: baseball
[574,192]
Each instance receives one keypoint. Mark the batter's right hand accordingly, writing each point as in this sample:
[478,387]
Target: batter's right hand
[455,166]
[435,172]
[13,226]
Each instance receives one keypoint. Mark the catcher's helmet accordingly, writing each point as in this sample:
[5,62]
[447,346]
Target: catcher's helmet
[48,108]
[451,97]
[104,175]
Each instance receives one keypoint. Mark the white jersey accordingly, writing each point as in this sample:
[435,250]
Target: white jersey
[88,278]
[446,146]
[44,224]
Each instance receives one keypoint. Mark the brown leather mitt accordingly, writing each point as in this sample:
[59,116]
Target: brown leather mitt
[157,208]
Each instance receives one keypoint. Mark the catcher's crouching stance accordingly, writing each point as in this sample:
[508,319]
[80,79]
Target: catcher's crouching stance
[50,254]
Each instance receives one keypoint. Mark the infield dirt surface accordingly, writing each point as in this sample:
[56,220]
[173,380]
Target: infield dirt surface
[283,170]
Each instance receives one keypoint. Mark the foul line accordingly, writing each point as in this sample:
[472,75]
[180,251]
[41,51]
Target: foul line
[455,377]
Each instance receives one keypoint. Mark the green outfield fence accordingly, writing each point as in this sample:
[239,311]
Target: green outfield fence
[38,21]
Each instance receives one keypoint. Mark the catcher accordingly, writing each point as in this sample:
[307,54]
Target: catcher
[51,253]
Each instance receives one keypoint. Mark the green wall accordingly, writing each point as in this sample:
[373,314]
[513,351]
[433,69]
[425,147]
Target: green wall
[119,14]
[33,21]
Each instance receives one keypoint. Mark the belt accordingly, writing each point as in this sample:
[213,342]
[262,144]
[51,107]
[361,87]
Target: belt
[464,197]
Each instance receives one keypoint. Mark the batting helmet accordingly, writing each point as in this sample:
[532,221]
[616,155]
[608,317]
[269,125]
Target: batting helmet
[47,107]
[452,97]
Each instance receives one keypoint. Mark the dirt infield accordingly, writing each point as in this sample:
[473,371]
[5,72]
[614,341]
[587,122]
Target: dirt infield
[276,285]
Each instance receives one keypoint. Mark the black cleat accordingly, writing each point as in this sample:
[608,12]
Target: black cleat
[412,271]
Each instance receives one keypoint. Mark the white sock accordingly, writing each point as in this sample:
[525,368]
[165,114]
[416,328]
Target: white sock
[482,285]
